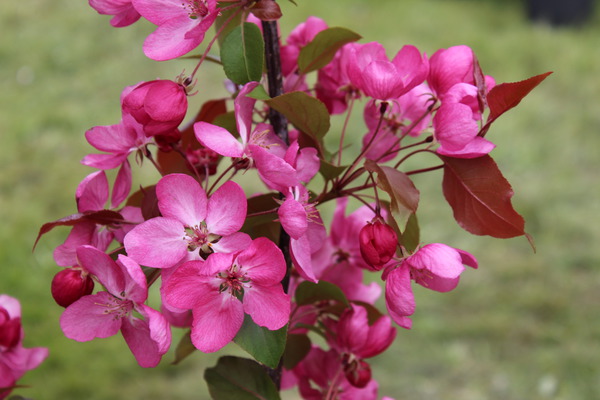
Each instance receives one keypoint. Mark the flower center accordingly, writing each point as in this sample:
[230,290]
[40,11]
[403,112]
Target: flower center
[117,307]
[233,281]
[196,9]
[199,237]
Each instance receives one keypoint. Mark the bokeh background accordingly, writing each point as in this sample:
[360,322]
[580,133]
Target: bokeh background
[523,326]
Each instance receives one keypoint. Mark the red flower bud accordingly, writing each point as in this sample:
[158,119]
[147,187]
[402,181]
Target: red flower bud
[159,106]
[378,243]
[10,329]
[358,373]
[69,285]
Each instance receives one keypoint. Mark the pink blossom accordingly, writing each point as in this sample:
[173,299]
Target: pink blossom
[182,25]
[371,71]
[118,141]
[106,313]
[299,37]
[15,360]
[435,266]
[334,87]
[220,290]
[123,11]
[158,105]
[191,225]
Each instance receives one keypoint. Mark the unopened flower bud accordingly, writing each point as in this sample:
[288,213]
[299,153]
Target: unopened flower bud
[378,243]
[69,285]
[358,373]
[10,330]
[159,106]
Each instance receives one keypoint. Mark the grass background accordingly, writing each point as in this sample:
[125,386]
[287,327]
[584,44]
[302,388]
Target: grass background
[524,326]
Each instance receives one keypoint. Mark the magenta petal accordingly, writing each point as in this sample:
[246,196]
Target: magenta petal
[92,192]
[217,319]
[301,256]
[399,298]
[244,107]
[226,209]
[382,81]
[106,270]
[381,336]
[232,243]
[171,39]
[273,168]
[104,161]
[268,306]
[82,233]
[182,198]
[160,332]
[122,185]
[186,285]
[263,262]
[218,139]
[439,259]
[136,287]
[158,242]
[112,138]
[87,318]
[293,218]
[137,336]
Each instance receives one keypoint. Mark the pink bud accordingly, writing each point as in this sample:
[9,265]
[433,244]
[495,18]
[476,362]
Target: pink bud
[159,106]
[378,243]
[69,285]
[358,373]
[10,329]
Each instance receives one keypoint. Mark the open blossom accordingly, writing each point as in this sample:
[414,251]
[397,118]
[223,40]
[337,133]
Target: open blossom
[106,313]
[15,360]
[182,25]
[191,224]
[124,12]
[435,266]
[220,290]
[372,72]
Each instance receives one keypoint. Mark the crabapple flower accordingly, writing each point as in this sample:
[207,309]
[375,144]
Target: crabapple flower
[435,266]
[123,11]
[220,290]
[299,37]
[378,243]
[106,313]
[191,225]
[371,71]
[182,25]
[15,360]
[158,105]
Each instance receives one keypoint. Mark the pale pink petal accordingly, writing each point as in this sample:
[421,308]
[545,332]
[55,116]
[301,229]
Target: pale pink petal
[82,233]
[187,285]
[307,164]
[293,217]
[92,192]
[160,11]
[160,332]
[439,259]
[11,305]
[381,80]
[412,67]
[244,108]
[232,243]
[263,262]
[268,306]
[158,242]
[182,198]
[218,139]
[136,287]
[170,40]
[399,298]
[226,209]
[111,138]
[87,318]
[98,263]
[217,319]
[272,168]
[475,148]
[122,185]
[104,161]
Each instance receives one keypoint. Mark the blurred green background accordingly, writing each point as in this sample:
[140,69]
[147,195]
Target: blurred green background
[523,326]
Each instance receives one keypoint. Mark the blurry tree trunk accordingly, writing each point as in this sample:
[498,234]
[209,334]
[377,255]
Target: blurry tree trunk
[560,12]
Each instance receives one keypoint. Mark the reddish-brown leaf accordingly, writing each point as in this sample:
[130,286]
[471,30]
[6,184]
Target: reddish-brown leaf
[266,10]
[481,197]
[505,96]
[102,217]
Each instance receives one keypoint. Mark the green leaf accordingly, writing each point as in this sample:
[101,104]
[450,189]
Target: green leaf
[264,345]
[242,54]
[259,93]
[330,171]
[404,196]
[223,17]
[321,50]
[297,347]
[411,235]
[307,113]
[227,121]
[240,379]
[309,293]
[185,347]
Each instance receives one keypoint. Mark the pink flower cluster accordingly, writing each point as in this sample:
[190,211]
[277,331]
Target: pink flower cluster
[211,241]
[15,360]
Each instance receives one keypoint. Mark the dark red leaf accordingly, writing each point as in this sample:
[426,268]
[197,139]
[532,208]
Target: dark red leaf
[102,217]
[266,10]
[480,197]
[505,96]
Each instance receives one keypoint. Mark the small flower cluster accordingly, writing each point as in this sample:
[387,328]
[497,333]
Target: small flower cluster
[229,258]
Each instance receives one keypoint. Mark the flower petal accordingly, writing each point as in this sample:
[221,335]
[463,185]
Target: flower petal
[182,198]
[87,318]
[226,209]
[268,306]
